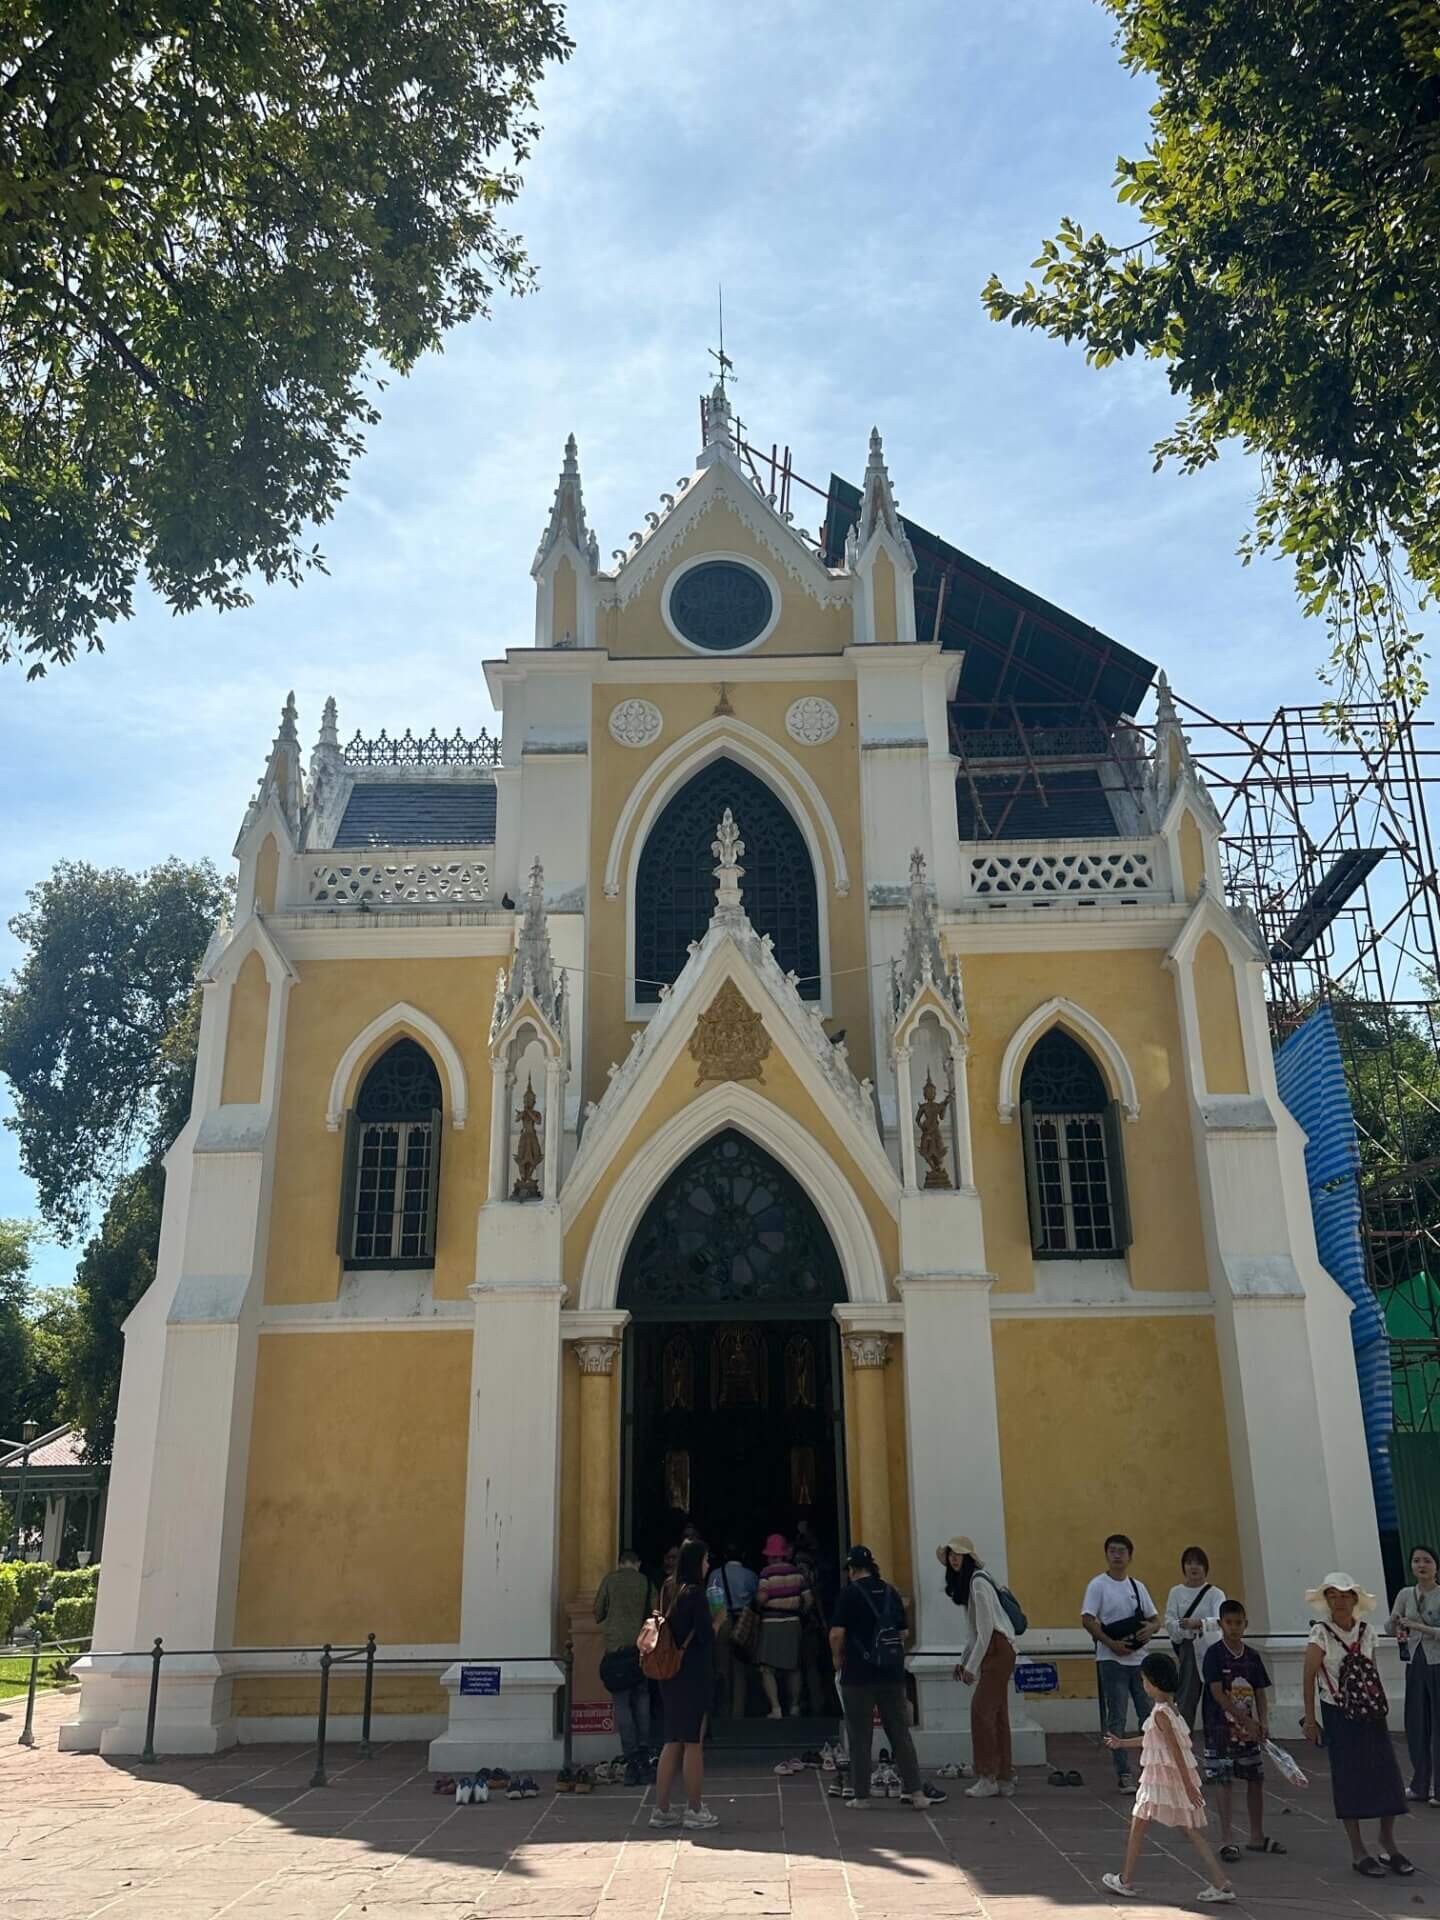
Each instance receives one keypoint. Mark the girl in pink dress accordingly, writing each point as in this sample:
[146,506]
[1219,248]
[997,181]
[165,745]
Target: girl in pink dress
[1169,1791]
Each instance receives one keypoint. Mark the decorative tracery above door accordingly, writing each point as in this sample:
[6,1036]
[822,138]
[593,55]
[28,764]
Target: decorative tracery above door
[731,1232]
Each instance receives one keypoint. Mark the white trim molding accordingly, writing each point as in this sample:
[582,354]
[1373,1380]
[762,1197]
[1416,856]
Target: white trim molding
[400,1018]
[1060,1012]
[773,763]
[732,1105]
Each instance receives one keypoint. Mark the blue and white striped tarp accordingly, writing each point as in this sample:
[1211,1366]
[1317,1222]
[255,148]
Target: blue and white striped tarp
[1311,1078]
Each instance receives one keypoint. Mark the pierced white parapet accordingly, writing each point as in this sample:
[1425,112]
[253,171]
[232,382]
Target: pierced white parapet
[1019,870]
[430,877]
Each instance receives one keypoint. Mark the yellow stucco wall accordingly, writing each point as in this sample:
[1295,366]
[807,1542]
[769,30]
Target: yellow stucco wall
[1192,856]
[886,633]
[1111,1426]
[1221,1043]
[245,1035]
[566,619]
[638,630]
[267,871]
[781,1085]
[616,771]
[1133,997]
[355,1495]
[332,1001]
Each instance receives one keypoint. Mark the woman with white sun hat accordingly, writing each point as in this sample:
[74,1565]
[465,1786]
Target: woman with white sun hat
[1352,1724]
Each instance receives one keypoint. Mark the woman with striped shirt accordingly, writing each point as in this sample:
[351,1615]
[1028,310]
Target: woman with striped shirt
[782,1597]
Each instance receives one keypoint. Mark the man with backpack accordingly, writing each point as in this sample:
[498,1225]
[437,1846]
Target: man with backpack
[867,1644]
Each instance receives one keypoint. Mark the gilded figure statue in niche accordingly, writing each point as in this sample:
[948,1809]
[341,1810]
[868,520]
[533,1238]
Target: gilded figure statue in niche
[529,1153]
[928,1116]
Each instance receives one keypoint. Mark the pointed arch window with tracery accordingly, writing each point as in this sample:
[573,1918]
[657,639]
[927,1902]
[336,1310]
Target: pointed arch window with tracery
[730,1230]
[1074,1162]
[675,879]
[391,1188]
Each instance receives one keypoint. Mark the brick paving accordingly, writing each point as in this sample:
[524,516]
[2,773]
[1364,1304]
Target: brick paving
[244,1834]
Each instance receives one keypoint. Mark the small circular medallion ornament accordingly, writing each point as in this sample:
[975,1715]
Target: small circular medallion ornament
[635,723]
[812,721]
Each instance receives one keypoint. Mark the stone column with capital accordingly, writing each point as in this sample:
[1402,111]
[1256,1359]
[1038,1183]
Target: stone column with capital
[596,1359]
[869,1355]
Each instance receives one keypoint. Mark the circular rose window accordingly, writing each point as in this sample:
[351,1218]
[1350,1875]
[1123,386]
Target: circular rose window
[721,605]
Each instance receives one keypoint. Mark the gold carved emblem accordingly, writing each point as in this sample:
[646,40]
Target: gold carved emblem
[729,1041]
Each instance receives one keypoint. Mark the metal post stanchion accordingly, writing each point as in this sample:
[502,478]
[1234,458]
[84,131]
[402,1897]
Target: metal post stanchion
[369,1696]
[157,1654]
[27,1737]
[317,1779]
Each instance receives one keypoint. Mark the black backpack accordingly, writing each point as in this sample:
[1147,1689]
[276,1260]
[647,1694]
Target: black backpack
[887,1646]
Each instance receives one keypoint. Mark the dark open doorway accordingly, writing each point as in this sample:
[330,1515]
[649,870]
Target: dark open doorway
[733,1413]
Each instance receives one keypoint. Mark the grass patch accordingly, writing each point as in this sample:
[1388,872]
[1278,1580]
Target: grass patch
[15,1675]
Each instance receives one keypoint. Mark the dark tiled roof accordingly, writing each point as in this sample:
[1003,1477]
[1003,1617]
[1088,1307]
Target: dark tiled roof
[1078,808]
[419,813]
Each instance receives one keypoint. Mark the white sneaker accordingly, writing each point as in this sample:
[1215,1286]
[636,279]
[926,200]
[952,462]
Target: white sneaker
[853,1802]
[1112,1883]
[463,1790]
[1007,1788]
[983,1790]
[700,1816]
[664,1817]
[480,1793]
[827,1758]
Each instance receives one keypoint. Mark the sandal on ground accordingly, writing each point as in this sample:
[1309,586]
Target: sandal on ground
[1267,1845]
[1229,1853]
[1371,1869]
[1397,1863]
[1112,1883]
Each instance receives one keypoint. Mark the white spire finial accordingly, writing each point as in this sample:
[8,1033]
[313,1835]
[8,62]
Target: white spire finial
[727,847]
[922,959]
[288,716]
[567,515]
[329,724]
[878,505]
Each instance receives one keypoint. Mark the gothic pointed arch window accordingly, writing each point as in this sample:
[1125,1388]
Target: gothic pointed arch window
[1074,1162]
[391,1189]
[675,879]
[729,1234]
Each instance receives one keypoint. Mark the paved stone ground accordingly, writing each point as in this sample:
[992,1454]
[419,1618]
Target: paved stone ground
[244,1834]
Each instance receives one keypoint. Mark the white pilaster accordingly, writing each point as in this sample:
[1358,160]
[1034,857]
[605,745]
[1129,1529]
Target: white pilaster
[512,1497]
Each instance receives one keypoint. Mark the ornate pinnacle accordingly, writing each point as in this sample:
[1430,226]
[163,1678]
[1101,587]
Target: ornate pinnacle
[727,846]
[288,717]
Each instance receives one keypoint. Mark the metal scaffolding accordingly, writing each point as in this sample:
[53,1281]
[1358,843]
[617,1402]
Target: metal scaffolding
[1327,842]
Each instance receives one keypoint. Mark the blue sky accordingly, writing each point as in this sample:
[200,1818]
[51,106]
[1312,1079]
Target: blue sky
[852,174]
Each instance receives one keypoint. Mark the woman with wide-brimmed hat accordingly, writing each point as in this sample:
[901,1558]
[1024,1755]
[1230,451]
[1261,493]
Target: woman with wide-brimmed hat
[1364,1773]
[987,1665]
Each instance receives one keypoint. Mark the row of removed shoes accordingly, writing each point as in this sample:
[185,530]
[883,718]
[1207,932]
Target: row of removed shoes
[474,1789]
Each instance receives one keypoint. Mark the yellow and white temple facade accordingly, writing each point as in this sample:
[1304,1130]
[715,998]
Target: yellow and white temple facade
[709,1110]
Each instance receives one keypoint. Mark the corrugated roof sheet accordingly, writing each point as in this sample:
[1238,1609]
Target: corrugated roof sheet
[419,813]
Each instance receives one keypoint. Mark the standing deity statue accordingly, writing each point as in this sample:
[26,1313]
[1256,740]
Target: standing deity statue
[928,1116]
[529,1153]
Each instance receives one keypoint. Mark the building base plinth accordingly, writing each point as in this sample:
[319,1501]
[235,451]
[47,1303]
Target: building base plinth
[516,1725]
[193,1708]
[942,1729]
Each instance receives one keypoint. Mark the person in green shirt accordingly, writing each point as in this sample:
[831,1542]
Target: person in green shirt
[623,1601]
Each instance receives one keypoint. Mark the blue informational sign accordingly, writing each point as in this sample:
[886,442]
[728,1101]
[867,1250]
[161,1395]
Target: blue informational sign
[479,1679]
[1036,1676]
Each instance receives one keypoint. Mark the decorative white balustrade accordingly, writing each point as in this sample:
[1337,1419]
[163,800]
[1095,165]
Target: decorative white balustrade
[429,877]
[1029,870]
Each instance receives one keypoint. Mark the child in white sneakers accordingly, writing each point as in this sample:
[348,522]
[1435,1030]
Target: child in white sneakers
[1169,1790]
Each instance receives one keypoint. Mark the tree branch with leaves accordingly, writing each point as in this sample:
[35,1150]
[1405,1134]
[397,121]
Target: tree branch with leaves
[1289,279]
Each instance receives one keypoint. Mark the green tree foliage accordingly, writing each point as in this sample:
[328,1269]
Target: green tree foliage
[1290,196]
[97,1027]
[220,220]
[116,1267]
[15,1335]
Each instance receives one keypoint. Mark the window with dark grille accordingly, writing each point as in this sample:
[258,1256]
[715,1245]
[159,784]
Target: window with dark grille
[675,884]
[1074,1167]
[720,605]
[392,1151]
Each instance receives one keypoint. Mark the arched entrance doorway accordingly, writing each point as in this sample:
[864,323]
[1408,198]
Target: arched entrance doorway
[732,1378]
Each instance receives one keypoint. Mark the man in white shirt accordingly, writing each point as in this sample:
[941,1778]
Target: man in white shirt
[1121,1619]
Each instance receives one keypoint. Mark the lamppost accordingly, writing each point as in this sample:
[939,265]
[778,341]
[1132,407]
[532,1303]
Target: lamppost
[28,1432]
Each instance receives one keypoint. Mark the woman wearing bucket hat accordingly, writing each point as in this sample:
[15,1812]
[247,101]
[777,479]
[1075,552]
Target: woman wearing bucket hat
[1364,1773]
[987,1665]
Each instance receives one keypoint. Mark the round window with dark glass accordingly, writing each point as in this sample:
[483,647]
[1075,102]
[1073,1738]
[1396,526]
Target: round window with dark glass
[720,605]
